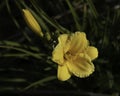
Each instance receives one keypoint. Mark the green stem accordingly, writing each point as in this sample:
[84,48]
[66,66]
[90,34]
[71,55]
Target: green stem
[75,16]
[22,50]
[92,7]
[40,82]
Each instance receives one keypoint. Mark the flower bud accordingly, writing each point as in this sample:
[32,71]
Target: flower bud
[31,22]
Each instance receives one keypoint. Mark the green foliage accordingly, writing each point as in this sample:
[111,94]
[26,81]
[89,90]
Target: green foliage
[25,58]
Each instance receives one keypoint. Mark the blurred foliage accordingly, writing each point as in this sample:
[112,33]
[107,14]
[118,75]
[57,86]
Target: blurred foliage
[25,58]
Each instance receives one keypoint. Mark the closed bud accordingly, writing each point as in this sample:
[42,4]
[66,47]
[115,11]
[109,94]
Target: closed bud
[48,36]
[31,22]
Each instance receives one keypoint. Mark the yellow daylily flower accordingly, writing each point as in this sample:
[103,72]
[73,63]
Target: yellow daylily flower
[31,22]
[74,56]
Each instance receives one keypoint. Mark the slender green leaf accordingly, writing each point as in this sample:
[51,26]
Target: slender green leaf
[75,16]
[13,18]
[17,80]
[40,82]
[48,19]
[92,8]
[16,44]
[22,50]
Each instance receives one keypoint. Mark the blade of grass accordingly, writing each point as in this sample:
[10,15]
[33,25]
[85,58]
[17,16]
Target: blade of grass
[116,17]
[15,80]
[84,16]
[92,8]
[13,18]
[48,19]
[14,55]
[16,44]
[7,88]
[40,82]
[75,16]
[22,50]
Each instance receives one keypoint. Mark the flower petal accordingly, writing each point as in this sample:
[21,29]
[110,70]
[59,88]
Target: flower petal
[92,52]
[58,52]
[79,42]
[81,67]
[63,73]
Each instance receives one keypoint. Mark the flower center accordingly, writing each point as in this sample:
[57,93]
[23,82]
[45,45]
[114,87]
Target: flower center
[68,56]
